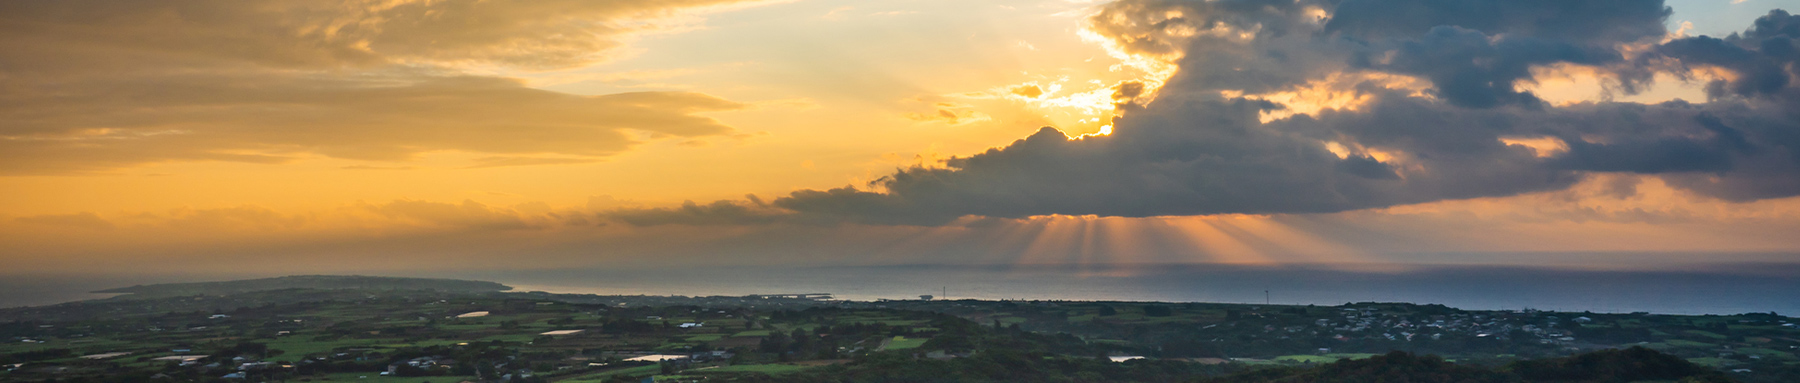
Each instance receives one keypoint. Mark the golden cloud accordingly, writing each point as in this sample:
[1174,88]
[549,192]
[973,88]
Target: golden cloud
[96,85]
[541,34]
[105,125]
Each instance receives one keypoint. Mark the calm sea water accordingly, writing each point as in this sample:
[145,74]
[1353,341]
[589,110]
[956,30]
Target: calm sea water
[1696,290]
[1702,290]
[37,290]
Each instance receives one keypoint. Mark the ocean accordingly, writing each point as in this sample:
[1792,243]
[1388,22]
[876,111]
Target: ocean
[1699,290]
[1692,290]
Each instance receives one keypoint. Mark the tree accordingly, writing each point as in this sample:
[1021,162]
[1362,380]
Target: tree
[485,370]
[775,342]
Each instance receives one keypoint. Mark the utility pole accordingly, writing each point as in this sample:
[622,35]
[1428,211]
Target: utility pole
[1266,297]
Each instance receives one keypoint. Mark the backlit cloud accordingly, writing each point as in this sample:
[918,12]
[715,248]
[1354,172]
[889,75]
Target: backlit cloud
[1206,144]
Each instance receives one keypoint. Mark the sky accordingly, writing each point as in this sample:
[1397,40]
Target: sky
[297,136]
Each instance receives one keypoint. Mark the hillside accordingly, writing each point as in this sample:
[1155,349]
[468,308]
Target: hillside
[328,282]
[419,335]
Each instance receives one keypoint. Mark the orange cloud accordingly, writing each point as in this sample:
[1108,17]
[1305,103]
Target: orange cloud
[97,85]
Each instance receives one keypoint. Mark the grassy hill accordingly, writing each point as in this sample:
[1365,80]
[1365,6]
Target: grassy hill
[305,282]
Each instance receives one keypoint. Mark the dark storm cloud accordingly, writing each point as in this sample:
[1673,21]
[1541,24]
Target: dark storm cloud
[1194,155]
[1445,52]
[1755,113]
[1588,21]
[1285,51]
[1661,154]
[1763,57]
[1777,24]
[1199,148]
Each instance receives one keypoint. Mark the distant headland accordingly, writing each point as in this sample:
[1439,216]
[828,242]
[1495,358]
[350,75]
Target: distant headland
[327,282]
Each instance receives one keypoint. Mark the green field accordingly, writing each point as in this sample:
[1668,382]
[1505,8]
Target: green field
[1327,358]
[375,377]
[771,369]
[298,346]
[1713,362]
[294,348]
[1704,333]
[521,338]
[1688,343]
[1767,353]
[1305,359]
[467,326]
[601,376]
[902,343]
[705,337]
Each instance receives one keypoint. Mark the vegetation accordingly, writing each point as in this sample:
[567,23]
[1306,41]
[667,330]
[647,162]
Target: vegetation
[418,335]
[305,282]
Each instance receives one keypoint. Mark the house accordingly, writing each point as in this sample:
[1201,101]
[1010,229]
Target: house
[184,358]
[656,358]
[704,357]
[692,324]
[109,355]
[423,362]
[941,354]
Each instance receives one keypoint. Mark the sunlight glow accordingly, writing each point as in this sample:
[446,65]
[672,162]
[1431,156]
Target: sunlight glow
[1566,84]
[1092,241]
[1543,146]
[1338,91]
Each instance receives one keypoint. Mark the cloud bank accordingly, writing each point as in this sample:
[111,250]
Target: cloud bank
[1296,107]
[90,86]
